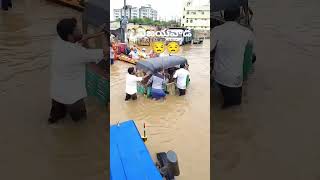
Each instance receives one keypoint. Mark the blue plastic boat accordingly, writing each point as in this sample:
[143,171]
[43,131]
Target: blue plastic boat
[129,157]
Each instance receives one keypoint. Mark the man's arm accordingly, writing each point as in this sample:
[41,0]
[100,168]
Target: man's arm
[144,77]
[213,46]
[91,55]
[214,39]
[149,81]
[252,41]
[90,36]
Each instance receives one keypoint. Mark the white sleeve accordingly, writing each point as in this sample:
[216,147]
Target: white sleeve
[90,55]
[175,74]
[139,78]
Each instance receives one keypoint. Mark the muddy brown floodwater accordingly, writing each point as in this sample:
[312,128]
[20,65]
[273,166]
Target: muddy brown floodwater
[30,148]
[181,124]
[275,134]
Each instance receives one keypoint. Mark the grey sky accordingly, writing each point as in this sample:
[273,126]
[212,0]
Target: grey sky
[165,8]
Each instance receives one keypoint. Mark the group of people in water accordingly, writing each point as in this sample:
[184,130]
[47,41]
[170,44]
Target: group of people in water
[157,81]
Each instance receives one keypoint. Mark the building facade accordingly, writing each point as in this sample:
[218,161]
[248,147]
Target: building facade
[135,12]
[196,17]
[148,12]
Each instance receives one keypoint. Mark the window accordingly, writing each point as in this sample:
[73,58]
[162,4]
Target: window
[202,12]
[183,17]
[194,13]
[187,21]
[188,12]
[191,21]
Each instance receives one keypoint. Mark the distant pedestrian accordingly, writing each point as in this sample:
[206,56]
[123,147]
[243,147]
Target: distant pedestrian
[111,54]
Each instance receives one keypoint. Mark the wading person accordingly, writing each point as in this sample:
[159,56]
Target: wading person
[181,76]
[158,81]
[229,43]
[131,83]
[111,54]
[68,64]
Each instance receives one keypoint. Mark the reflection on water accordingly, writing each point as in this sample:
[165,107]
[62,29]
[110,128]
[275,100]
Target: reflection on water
[178,123]
[271,136]
[30,149]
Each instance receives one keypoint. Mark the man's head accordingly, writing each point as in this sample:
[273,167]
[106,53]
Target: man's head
[182,65]
[232,14]
[68,31]
[131,70]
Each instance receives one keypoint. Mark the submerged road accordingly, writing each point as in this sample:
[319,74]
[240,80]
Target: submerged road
[30,148]
[274,135]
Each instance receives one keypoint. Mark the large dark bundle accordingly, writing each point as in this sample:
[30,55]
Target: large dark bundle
[96,12]
[219,5]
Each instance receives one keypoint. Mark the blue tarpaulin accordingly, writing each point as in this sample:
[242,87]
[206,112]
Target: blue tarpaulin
[129,157]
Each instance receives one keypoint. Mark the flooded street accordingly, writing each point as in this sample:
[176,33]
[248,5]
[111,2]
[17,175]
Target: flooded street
[274,135]
[181,124]
[30,148]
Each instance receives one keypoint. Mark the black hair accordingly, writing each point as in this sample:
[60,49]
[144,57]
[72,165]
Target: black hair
[232,14]
[130,70]
[182,65]
[66,27]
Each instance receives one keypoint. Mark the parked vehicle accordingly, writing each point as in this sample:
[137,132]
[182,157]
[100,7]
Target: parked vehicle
[167,63]
[198,37]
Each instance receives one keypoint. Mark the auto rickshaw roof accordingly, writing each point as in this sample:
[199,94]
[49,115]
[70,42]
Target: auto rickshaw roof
[159,63]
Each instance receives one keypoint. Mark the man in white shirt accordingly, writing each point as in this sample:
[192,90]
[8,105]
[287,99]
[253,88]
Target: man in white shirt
[229,43]
[131,84]
[68,64]
[181,76]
